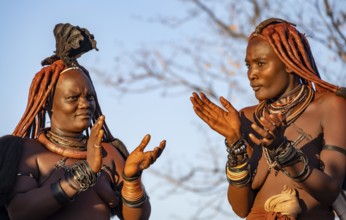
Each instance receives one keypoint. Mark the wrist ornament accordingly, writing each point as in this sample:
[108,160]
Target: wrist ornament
[59,193]
[286,155]
[237,153]
[239,175]
[80,176]
[133,192]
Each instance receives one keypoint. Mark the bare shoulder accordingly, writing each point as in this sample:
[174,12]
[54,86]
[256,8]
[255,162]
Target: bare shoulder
[30,152]
[248,111]
[113,153]
[329,101]
[332,111]
[32,147]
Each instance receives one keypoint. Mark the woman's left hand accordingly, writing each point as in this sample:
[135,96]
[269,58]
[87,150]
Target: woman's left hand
[271,132]
[139,160]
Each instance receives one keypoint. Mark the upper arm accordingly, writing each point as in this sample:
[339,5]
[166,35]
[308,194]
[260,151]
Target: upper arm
[116,157]
[334,133]
[27,172]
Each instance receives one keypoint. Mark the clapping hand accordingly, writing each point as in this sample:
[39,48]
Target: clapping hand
[138,160]
[225,122]
[94,151]
[271,132]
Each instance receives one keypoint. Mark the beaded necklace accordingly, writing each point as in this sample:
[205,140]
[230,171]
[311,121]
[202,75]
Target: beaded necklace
[291,110]
[298,100]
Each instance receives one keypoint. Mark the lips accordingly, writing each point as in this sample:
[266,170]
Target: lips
[84,115]
[256,87]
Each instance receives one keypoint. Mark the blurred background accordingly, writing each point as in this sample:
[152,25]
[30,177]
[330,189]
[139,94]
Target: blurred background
[152,55]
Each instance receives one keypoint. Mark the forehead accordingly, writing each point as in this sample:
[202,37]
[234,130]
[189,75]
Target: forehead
[258,47]
[74,78]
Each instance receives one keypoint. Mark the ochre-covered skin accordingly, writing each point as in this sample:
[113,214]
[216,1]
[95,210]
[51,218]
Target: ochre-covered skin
[298,115]
[74,168]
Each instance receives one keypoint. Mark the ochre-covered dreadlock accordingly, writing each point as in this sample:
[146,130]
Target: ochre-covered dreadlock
[293,49]
[71,43]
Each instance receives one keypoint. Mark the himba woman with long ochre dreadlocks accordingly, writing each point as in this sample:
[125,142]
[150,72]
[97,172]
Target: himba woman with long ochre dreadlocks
[287,154]
[74,169]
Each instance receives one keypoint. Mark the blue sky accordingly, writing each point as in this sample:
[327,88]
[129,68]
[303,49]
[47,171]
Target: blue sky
[27,38]
[118,26]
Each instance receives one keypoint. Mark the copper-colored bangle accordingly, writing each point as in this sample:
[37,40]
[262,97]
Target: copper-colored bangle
[135,204]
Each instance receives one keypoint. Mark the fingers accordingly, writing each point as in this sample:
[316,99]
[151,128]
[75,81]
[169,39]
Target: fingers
[268,125]
[267,136]
[97,127]
[200,103]
[151,156]
[200,108]
[228,106]
[158,150]
[143,143]
[97,132]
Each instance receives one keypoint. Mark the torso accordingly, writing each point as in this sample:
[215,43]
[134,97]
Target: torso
[308,131]
[40,162]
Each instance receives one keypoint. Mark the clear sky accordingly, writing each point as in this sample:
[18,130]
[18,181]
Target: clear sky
[27,38]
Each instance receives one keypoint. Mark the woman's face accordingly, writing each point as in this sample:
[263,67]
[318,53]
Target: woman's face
[73,103]
[267,73]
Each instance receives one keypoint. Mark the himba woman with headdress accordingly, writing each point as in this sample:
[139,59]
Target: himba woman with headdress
[75,168]
[287,154]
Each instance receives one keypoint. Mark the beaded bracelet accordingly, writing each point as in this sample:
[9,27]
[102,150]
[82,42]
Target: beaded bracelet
[236,152]
[239,175]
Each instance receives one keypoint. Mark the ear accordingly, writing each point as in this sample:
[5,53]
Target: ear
[289,70]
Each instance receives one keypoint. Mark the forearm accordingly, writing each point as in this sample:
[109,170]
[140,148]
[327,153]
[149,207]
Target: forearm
[295,164]
[139,213]
[238,174]
[317,183]
[241,199]
[136,205]
[35,204]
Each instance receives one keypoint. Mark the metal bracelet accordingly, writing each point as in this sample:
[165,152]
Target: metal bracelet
[59,193]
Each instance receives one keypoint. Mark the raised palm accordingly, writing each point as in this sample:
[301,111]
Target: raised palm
[138,160]
[224,121]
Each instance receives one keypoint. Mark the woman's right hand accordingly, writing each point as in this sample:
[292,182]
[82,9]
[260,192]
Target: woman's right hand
[225,122]
[94,150]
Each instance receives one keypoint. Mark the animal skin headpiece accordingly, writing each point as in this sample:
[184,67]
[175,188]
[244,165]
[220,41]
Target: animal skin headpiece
[71,43]
[292,47]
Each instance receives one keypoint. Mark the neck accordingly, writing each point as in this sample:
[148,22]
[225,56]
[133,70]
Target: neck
[77,141]
[61,133]
[287,97]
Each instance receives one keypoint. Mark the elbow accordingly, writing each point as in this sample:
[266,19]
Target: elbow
[332,199]
[242,213]
[14,213]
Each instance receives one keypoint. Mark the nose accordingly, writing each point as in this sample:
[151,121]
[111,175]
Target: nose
[83,103]
[252,74]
